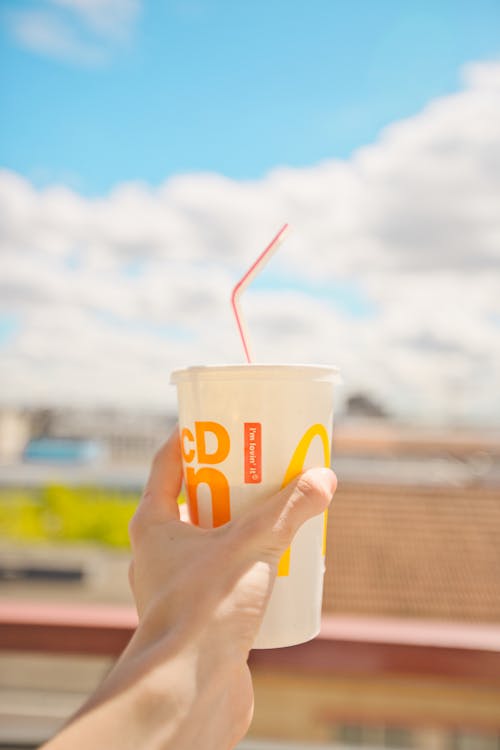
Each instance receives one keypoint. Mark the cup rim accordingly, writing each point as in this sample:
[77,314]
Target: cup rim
[256,371]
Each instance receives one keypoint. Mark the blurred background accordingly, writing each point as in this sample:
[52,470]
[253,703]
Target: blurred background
[148,152]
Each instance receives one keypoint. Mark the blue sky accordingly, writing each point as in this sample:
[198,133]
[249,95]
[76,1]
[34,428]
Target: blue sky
[140,146]
[231,87]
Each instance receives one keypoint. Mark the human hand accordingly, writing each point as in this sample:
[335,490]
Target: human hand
[201,594]
[211,587]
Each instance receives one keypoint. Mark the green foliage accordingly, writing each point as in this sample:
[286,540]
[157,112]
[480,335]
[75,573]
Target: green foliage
[58,513]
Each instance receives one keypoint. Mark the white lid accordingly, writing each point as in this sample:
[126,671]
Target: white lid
[256,372]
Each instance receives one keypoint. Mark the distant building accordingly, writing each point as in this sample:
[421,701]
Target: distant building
[122,437]
[64,451]
[15,432]
[412,570]
[361,405]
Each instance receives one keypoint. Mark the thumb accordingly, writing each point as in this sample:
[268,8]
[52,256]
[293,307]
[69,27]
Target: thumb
[279,518]
[307,496]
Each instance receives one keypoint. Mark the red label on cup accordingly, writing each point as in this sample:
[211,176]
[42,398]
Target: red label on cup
[253,452]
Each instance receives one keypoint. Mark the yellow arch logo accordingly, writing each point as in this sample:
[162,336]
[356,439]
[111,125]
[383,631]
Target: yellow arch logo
[295,467]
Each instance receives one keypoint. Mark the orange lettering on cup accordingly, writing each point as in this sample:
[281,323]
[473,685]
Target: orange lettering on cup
[222,450]
[188,455]
[219,489]
[295,467]
[252,452]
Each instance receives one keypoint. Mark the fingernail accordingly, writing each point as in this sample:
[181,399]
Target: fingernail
[328,479]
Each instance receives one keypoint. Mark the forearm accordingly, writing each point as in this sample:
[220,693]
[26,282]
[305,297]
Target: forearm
[156,699]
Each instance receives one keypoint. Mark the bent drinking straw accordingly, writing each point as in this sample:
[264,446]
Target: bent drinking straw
[242,284]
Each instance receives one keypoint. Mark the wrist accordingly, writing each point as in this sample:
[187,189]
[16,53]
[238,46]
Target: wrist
[172,692]
[180,689]
[189,701]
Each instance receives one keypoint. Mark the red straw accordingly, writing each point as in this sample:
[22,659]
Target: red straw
[254,269]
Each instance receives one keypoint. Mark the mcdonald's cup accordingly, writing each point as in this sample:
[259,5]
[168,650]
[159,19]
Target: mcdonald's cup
[246,431]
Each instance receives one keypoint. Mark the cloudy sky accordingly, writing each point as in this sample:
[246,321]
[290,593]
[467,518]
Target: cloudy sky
[149,154]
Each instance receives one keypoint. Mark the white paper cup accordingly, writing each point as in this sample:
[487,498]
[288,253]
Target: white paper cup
[246,431]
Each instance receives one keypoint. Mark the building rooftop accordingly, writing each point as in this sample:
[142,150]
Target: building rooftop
[414,551]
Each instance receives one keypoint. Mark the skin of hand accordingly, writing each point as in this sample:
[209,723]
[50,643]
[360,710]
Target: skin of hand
[183,681]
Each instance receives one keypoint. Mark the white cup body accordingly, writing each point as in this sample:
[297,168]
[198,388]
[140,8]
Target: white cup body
[246,430]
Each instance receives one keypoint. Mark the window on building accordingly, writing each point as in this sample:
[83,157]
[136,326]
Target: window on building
[474,741]
[350,734]
[398,737]
[360,735]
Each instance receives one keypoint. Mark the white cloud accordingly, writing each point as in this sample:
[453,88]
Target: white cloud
[393,272]
[83,32]
[107,17]
[47,35]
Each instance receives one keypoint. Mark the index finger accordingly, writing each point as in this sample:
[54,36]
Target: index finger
[159,499]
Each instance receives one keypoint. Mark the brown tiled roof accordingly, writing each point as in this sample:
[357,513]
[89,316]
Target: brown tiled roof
[384,438]
[403,551]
